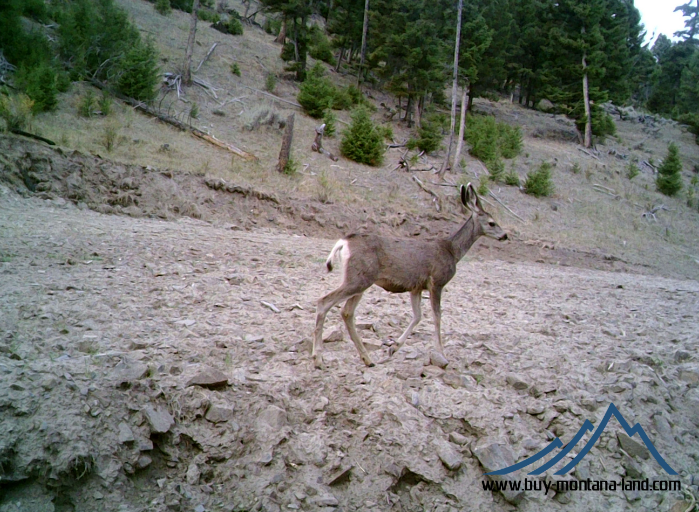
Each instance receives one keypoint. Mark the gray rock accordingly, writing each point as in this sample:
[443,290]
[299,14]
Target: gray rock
[457,438]
[143,462]
[340,475]
[582,470]
[145,445]
[632,495]
[632,447]
[517,382]
[159,419]
[129,373]
[209,378]
[536,409]
[438,359]
[334,336]
[692,408]
[324,500]
[193,474]
[254,338]
[266,458]
[633,470]
[125,433]
[689,375]
[682,355]
[493,456]
[449,456]
[218,414]
[273,417]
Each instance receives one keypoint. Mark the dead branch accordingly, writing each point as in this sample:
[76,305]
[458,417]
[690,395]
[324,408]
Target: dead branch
[317,145]
[138,105]
[588,153]
[275,97]
[505,206]
[206,57]
[651,166]
[33,136]
[651,213]
[437,200]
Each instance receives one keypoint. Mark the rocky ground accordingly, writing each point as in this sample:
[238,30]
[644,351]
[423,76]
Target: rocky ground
[152,364]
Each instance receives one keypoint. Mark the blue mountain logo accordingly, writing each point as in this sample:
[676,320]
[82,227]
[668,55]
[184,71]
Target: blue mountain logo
[586,427]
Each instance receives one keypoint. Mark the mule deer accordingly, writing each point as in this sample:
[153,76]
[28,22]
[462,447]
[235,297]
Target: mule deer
[398,266]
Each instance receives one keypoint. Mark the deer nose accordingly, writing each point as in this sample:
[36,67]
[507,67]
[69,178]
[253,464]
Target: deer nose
[503,237]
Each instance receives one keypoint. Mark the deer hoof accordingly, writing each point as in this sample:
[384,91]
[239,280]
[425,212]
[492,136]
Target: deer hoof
[392,350]
[318,363]
[369,363]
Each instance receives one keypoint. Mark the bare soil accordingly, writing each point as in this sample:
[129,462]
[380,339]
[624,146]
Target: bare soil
[106,318]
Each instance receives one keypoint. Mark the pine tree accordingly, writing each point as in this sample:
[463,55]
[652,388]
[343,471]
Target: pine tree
[138,72]
[669,180]
[316,92]
[362,142]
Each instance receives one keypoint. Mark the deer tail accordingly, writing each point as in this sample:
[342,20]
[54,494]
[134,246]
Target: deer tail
[337,251]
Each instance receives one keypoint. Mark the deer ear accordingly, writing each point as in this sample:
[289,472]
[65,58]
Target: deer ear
[469,197]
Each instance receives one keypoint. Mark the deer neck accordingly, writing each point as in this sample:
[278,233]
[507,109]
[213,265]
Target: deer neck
[462,240]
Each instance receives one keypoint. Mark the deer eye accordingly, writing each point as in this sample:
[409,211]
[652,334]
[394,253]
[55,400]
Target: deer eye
[492,224]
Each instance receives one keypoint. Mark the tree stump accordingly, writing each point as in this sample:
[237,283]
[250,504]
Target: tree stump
[317,145]
[286,144]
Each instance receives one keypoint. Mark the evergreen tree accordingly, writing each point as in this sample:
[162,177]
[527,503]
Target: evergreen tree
[669,180]
[138,72]
[296,13]
[362,142]
[691,24]
[316,93]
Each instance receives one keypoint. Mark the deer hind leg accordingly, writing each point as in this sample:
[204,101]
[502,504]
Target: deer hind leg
[325,304]
[415,298]
[436,300]
[348,317]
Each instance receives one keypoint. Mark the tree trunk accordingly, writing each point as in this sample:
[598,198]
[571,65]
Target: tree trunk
[365,28]
[286,144]
[462,128]
[587,141]
[408,111]
[454,89]
[281,37]
[417,112]
[187,71]
[339,59]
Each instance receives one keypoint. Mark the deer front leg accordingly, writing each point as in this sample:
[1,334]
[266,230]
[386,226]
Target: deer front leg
[415,298]
[348,316]
[436,300]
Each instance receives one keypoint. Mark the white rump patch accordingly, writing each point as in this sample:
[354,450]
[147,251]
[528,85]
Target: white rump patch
[339,254]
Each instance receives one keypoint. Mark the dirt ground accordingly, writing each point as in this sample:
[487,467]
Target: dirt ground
[162,364]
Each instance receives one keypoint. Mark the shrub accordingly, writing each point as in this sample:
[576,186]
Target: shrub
[429,136]
[194,111]
[602,123]
[138,72]
[361,142]
[538,183]
[316,93]
[386,131]
[207,15]
[235,69]
[330,121]
[692,121]
[512,178]
[163,7]
[510,138]
[270,82]
[273,25]
[86,107]
[491,140]
[40,83]
[235,27]
[483,189]
[16,111]
[632,171]
[291,167]
[669,180]
[497,170]
[482,134]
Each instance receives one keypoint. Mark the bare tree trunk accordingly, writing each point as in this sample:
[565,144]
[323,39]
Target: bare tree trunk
[187,72]
[462,128]
[365,28]
[417,112]
[587,142]
[286,144]
[339,59]
[454,89]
